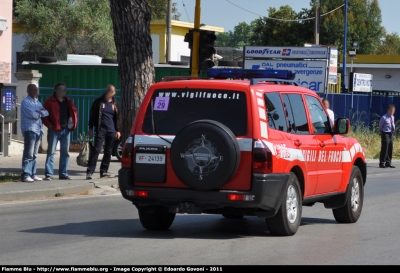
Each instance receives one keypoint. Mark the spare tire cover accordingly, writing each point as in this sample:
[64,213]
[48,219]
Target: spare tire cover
[205,155]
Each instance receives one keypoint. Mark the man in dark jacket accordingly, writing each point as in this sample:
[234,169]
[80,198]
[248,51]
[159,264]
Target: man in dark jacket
[61,121]
[105,120]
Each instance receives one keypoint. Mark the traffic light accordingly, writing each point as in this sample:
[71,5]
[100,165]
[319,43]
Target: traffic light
[206,49]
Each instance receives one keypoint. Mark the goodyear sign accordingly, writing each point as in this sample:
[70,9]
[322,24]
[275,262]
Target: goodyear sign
[282,52]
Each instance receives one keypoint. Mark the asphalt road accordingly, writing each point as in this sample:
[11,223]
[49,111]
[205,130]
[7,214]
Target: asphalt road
[106,230]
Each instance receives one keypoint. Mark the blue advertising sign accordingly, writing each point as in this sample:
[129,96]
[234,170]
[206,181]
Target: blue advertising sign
[309,74]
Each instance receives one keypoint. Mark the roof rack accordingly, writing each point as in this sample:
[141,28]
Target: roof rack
[179,78]
[276,81]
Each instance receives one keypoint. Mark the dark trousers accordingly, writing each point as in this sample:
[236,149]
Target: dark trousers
[108,138]
[386,148]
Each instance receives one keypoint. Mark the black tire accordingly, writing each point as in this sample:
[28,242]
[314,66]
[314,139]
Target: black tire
[178,63]
[232,216]
[159,219]
[117,150]
[228,63]
[347,214]
[47,59]
[109,61]
[205,155]
[279,224]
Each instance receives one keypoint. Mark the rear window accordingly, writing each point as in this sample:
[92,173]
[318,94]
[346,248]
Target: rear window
[173,109]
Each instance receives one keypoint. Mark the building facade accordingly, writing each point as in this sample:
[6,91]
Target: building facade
[6,7]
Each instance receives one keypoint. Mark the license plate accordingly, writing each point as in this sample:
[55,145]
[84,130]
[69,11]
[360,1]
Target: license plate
[150,159]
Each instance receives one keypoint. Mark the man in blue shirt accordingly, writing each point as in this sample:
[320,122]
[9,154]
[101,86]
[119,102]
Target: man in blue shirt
[386,131]
[32,112]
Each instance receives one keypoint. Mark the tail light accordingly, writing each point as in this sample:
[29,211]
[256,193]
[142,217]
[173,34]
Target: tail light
[127,155]
[262,158]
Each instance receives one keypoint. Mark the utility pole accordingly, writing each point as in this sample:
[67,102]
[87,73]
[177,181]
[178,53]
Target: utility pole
[169,30]
[196,40]
[317,23]
[344,47]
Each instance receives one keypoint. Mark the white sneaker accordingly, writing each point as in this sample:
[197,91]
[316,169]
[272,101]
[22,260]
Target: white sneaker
[28,179]
[36,178]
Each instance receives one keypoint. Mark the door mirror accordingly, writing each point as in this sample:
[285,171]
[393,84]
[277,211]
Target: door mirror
[342,126]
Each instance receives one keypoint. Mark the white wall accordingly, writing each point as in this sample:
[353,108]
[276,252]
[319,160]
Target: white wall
[156,48]
[380,81]
[18,42]
[179,48]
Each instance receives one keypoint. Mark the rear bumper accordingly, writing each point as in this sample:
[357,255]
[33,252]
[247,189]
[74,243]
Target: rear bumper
[268,191]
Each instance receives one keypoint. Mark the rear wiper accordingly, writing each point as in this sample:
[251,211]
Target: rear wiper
[153,124]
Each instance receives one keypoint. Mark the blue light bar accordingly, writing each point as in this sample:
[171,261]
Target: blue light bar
[226,73]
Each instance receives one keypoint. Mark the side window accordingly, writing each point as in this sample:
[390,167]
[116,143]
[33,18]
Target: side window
[275,113]
[319,118]
[296,114]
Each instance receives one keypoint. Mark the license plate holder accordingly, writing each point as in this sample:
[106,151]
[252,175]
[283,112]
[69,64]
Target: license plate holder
[150,163]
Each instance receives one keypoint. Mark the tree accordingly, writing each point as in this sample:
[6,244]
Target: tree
[67,26]
[364,24]
[390,45]
[159,9]
[279,33]
[240,36]
[131,23]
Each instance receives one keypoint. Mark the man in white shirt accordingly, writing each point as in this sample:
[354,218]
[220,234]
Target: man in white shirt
[330,112]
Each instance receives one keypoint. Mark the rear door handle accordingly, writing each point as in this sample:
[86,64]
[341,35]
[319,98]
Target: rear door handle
[297,143]
[322,144]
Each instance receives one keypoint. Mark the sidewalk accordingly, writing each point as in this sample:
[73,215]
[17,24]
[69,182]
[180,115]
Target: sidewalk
[43,189]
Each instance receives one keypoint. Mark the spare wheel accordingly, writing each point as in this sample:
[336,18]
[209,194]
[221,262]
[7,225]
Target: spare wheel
[205,155]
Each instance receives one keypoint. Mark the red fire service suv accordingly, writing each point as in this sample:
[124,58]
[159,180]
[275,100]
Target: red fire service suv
[257,147]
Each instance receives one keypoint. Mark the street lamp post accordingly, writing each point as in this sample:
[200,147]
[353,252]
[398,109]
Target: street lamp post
[344,47]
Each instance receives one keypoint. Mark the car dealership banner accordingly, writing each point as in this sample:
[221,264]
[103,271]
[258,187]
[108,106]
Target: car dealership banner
[284,52]
[309,74]
[361,82]
[333,66]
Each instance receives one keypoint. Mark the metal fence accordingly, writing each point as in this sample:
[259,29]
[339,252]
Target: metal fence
[360,109]
[83,99]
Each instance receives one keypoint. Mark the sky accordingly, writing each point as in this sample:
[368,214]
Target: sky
[223,14]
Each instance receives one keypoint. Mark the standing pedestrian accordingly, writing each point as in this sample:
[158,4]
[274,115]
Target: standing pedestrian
[105,121]
[386,131]
[31,127]
[328,109]
[61,121]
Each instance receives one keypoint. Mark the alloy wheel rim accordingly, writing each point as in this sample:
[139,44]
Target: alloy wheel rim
[292,204]
[355,195]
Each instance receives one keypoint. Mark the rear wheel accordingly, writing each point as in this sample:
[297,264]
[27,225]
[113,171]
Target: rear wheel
[118,150]
[287,221]
[351,212]
[159,219]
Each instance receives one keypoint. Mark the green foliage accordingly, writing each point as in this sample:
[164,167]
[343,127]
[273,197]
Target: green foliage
[390,45]
[74,26]
[67,26]
[240,36]
[364,25]
[281,33]
[159,9]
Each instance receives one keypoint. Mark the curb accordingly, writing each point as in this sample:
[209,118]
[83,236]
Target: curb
[47,193]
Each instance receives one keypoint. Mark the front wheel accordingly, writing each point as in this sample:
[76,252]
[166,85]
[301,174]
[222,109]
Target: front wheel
[287,221]
[351,212]
[158,219]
